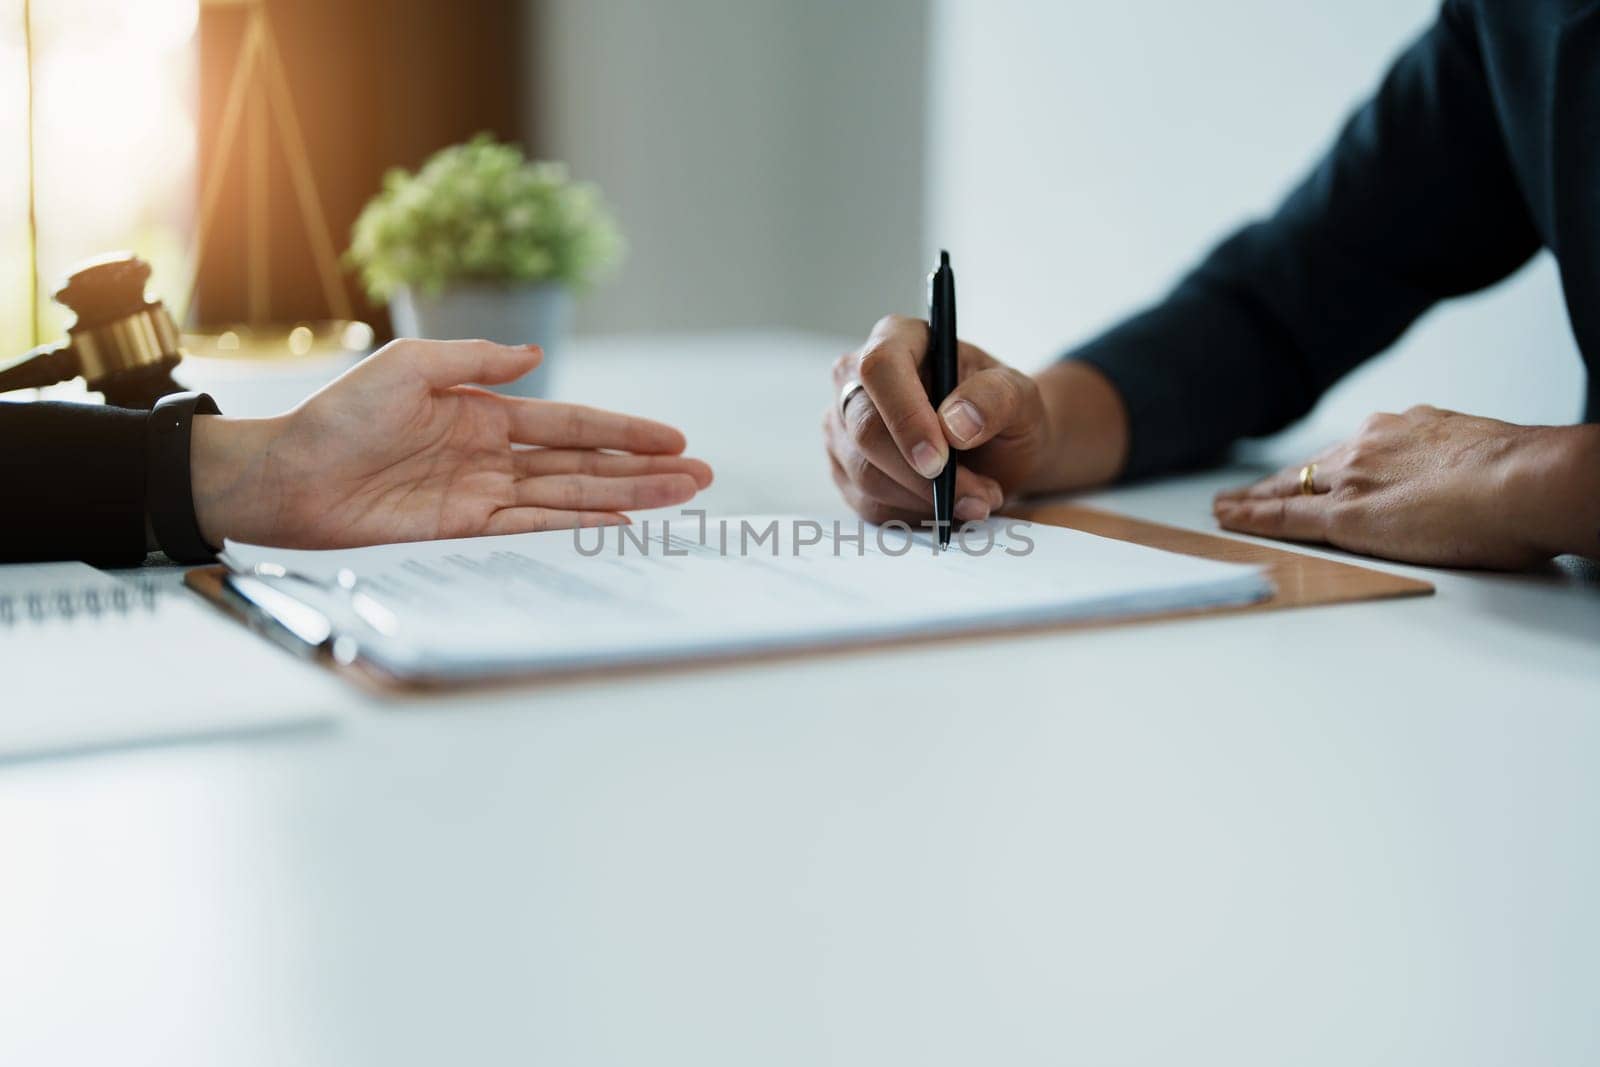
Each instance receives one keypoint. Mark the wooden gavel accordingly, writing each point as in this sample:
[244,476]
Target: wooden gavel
[122,344]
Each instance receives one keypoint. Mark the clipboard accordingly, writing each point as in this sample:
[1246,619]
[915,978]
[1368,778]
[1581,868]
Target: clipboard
[1298,581]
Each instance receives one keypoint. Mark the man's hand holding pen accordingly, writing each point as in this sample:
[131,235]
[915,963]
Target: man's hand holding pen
[1014,433]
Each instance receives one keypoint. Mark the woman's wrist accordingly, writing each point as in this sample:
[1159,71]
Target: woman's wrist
[227,471]
[1558,490]
[1087,428]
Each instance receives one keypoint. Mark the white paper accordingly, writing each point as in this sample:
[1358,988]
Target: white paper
[535,602]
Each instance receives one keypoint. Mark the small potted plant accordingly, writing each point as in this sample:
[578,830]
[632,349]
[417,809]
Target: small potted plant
[482,242]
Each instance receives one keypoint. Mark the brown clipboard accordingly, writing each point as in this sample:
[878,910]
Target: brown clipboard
[1298,580]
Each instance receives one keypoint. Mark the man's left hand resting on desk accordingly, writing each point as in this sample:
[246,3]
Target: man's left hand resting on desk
[1435,487]
[400,448]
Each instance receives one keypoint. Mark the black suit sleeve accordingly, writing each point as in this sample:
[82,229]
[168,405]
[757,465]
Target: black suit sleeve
[72,478]
[1415,202]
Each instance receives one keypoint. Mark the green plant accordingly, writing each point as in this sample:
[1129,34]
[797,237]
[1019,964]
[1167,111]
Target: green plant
[481,211]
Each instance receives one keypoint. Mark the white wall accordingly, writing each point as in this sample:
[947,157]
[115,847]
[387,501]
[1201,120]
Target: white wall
[766,157]
[1085,154]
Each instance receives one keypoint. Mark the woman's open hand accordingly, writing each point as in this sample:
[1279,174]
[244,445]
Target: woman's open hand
[403,448]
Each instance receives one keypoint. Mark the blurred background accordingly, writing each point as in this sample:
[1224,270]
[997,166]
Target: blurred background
[771,165]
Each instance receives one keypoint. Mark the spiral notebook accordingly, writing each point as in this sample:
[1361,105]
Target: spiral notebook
[88,661]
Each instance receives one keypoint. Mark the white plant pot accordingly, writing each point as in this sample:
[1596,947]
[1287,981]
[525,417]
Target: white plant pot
[511,313]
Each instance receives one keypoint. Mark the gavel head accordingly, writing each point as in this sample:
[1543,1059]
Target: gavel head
[126,345]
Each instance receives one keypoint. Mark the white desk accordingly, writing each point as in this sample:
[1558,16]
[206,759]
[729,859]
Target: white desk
[1361,834]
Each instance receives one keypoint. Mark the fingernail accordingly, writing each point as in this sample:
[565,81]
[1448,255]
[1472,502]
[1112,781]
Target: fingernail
[926,459]
[971,509]
[997,496]
[963,420]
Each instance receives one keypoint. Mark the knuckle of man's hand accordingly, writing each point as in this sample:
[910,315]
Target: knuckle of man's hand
[1348,484]
[876,360]
[864,425]
[1377,423]
[857,468]
[1357,455]
[841,451]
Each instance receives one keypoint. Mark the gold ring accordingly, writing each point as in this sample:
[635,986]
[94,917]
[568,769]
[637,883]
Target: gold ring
[851,388]
[1308,479]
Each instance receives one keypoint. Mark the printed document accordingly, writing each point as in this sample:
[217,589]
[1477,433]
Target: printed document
[694,586]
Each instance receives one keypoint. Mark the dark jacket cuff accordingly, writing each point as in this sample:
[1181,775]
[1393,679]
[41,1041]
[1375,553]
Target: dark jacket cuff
[73,476]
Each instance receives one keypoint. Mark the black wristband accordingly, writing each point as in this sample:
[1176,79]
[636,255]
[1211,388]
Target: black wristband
[169,491]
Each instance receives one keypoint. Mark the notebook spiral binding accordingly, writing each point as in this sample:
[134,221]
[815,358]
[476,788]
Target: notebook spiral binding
[67,604]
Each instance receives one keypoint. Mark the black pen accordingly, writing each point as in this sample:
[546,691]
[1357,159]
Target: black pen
[942,382]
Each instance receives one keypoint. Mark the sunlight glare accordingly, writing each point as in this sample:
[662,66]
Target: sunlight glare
[115,134]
